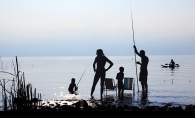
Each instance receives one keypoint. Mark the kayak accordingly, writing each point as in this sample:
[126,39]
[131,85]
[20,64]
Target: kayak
[169,66]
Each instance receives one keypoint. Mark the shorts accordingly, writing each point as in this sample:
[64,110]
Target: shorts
[143,76]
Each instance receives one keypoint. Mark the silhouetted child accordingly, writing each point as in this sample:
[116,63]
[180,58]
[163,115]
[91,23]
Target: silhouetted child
[120,77]
[72,87]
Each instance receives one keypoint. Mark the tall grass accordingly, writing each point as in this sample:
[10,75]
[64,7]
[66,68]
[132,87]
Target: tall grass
[16,94]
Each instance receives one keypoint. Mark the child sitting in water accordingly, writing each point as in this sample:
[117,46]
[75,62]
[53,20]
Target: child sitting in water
[120,77]
[72,87]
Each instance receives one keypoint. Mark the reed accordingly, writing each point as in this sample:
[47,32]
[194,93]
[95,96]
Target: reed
[18,96]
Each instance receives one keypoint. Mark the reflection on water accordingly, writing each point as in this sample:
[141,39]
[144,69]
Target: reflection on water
[144,99]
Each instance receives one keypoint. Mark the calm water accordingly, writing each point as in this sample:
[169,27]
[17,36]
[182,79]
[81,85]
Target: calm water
[51,77]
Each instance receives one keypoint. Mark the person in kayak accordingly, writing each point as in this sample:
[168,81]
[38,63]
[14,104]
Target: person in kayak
[172,63]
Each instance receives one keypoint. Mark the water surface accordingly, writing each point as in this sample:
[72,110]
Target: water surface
[51,77]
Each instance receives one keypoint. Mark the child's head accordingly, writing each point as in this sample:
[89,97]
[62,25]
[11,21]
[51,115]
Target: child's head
[73,80]
[121,69]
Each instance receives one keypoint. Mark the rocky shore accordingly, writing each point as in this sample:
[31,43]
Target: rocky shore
[98,105]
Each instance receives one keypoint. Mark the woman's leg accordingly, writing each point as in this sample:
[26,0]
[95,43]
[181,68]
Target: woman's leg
[103,75]
[95,80]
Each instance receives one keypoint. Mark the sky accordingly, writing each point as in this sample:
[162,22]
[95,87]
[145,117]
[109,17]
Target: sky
[80,27]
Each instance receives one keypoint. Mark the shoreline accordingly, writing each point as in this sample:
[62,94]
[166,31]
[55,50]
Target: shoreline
[98,105]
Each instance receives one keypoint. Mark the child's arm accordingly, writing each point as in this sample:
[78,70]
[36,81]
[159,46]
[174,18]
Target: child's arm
[117,76]
[76,88]
[69,87]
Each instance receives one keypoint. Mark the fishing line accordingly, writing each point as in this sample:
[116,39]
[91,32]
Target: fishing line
[82,75]
[134,44]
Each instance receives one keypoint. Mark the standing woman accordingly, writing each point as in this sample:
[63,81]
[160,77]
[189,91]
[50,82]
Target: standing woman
[99,69]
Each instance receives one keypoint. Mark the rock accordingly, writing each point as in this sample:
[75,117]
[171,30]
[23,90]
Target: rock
[190,108]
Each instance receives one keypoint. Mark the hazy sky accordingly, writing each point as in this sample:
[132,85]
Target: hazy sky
[80,27]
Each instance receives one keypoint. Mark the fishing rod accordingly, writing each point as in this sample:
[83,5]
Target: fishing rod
[82,75]
[134,44]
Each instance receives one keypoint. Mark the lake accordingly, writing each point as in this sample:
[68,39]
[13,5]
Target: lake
[51,77]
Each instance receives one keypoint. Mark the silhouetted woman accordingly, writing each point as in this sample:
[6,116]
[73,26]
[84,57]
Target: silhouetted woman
[143,76]
[99,69]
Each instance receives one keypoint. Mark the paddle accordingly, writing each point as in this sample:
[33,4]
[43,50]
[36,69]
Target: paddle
[177,65]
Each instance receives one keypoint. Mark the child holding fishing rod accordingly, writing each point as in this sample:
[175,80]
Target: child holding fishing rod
[72,87]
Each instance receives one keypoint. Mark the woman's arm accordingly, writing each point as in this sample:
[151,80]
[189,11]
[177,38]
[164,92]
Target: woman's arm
[94,64]
[111,64]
